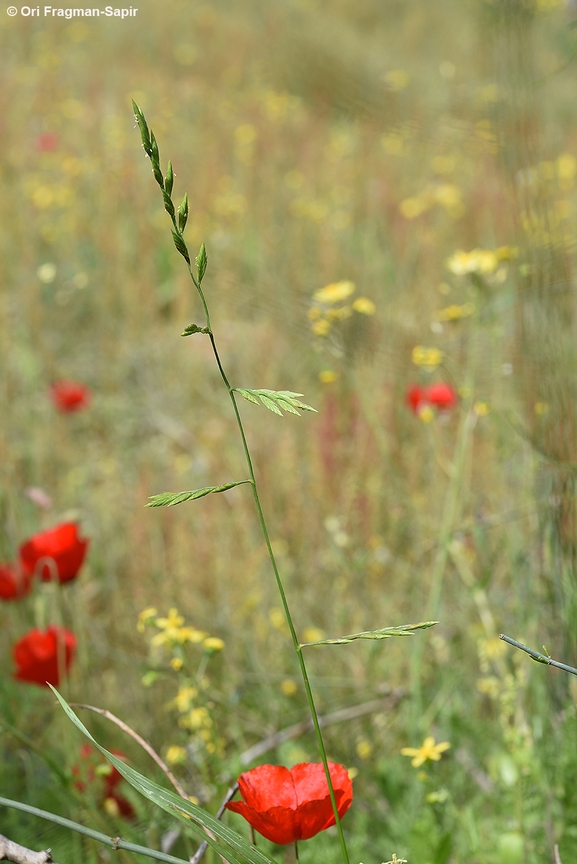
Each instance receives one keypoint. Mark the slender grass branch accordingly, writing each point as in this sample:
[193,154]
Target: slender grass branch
[537,656]
[114,842]
[178,219]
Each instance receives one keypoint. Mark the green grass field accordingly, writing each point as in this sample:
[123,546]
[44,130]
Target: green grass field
[419,162]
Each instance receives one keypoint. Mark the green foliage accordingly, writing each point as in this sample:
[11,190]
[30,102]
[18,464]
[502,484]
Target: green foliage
[169,499]
[384,633]
[201,263]
[194,328]
[274,400]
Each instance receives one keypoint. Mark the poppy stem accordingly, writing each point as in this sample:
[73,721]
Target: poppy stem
[296,851]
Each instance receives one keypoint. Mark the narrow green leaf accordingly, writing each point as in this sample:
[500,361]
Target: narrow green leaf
[222,839]
[384,633]
[268,403]
[286,406]
[143,126]
[248,395]
[169,180]
[183,214]
[170,499]
[275,400]
[201,262]
[181,246]
[194,328]
[168,205]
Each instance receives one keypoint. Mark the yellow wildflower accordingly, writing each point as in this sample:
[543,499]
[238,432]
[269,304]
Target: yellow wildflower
[481,409]
[212,644]
[507,253]
[428,750]
[321,327]
[475,261]
[426,414]
[288,687]
[335,292]
[364,748]
[413,207]
[110,806]
[184,699]
[339,314]
[430,358]
[364,306]
[455,312]
[176,663]
[145,616]
[327,376]
[172,622]
[176,755]
[313,634]
[397,79]
[190,634]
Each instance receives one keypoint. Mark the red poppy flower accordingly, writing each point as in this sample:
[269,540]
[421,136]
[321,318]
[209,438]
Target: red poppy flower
[285,805]
[441,396]
[47,142]
[42,656]
[15,582]
[416,396]
[70,396]
[59,549]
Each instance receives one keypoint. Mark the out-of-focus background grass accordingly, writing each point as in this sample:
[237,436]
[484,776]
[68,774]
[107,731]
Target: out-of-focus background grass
[319,141]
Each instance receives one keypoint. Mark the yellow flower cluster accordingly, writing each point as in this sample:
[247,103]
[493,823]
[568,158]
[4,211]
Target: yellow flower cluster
[429,358]
[446,195]
[476,261]
[173,632]
[326,310]
[455,312]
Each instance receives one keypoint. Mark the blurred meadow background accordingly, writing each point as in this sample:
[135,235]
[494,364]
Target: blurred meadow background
[386,190]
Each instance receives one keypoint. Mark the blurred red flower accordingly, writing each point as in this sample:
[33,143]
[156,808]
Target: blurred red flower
[41,657]
[47,142]
[70,396]
[15,582]
[59,549]
[94,771]
[289,804]
[441,396]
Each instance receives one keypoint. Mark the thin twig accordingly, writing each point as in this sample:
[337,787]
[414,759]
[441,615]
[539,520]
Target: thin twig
[144,744]
[539,658]
[556,853]
[10,851]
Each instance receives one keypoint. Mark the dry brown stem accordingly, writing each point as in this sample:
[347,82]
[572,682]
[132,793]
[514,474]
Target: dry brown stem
[10,851]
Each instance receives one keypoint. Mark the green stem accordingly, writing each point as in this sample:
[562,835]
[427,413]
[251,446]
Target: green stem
[114,842]
[280,586]
[537,656]
[150,148]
